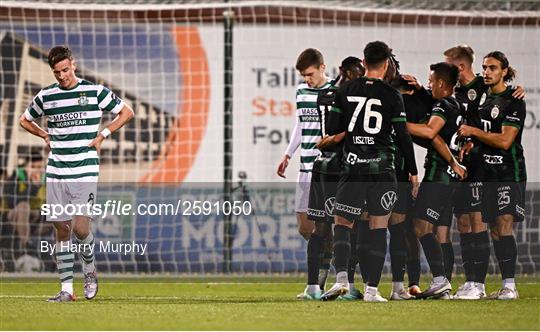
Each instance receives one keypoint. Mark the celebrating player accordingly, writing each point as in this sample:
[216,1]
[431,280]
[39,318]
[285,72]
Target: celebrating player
[502,117]
[474,238]
[367,109]
[74,108]
[434,204]
[325,176]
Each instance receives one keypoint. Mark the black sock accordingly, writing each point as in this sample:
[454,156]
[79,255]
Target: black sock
[398,251]
[342,247]
[509,256]
[498,249]
[466,242]
[314,253]
[481,256]
[413,254]
[328,251]
[448,259]
[377,253]
[353,259]
[362,247]
[433,253]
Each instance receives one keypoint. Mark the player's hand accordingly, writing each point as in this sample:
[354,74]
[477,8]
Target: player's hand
[325,142]
[96,142]
[415,184]
[519,92]
[412,81]
[466,131]
[283,166]
[460,170]
[465,150]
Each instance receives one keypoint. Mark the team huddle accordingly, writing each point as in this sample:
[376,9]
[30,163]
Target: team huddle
[358,173]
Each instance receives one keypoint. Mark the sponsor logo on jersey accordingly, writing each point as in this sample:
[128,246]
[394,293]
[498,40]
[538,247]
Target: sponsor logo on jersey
[483,98]
[83,101]
[493,160]
[351,158]
[513,118]
[348,209]
[432,214]
[66,116]
[315,213]
[329,206]
[363,140]
[495,112]
[471,94]
[388,200]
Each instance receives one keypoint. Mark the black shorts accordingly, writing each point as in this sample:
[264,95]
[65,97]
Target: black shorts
[435,203]
[322,197]
[502,198]
[376,192]
[404,195]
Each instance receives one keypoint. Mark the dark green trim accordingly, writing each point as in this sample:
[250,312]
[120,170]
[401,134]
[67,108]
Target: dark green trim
[511,124]
[73,164]
[71,176]
[69,95]
[72,137]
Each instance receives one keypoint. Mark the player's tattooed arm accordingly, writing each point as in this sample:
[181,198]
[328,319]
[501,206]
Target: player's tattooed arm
[330,141]
[501,140]
[444,151]
[427,131]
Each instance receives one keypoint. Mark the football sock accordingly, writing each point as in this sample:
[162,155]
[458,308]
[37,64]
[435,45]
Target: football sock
[342,248]
[397,286]
[509,257]
[353,259]
[87,253]
[433,253]
[64,263]
[481,256]
[466,242]
[377,254]
[314,253]
[398,251]
[448,258]
[509,283]
[362,247]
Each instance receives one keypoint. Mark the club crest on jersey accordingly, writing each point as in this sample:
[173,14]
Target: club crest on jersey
[83,101]
[483,98]
[495,112]
[471,94]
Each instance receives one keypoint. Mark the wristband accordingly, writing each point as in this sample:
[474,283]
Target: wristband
[105,132]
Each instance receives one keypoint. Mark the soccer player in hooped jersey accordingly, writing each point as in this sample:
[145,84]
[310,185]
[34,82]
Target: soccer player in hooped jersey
[325,176]
[434,204]
[306,132]
[504,174]
[367,109]
[73,108]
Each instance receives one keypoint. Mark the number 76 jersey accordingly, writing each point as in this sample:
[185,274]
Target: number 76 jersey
[366,109]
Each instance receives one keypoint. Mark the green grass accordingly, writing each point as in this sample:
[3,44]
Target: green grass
[253,303]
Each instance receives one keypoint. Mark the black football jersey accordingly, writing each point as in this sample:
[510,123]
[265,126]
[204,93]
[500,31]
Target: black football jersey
[496,111]
[437,169]
[365,109]
[328,162]
[469,97]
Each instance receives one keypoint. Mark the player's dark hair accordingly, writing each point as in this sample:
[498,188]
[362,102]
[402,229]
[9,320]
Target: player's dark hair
[309,57]
[351,63]
[460,52]
[447,72]
[375,53]
[401,84]
[501,57]
[59,53]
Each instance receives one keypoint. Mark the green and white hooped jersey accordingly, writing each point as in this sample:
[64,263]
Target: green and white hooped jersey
[73,118]
[309,122]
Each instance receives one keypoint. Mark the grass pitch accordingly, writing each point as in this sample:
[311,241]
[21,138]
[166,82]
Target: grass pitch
[247,303]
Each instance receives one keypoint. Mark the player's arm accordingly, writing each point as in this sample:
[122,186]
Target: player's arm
[444,151]
[428,131]
[34,111]
[511,125]
[501,140]
[294,143]
[124,115]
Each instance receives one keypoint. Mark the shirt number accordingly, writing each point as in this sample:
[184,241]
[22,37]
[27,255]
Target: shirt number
[368,114]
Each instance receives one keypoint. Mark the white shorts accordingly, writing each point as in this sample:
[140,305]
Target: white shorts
[302,192]
[67,199]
